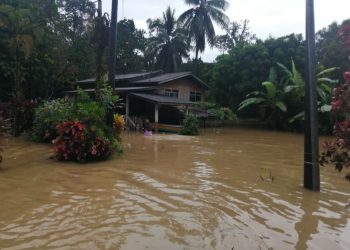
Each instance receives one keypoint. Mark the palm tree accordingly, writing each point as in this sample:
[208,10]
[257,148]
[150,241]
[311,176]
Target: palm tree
[199,21]
[167,44]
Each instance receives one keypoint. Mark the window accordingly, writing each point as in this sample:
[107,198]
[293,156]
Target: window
[195,96]
[172,93]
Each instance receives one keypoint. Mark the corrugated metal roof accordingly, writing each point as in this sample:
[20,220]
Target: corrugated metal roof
[162,99]
[116,89]
[130,76]
[164,78]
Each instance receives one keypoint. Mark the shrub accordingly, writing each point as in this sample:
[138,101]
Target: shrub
[48,116]
[190,125]
[53,112]
[76,142]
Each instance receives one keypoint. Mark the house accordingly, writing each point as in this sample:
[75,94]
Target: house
[163,98]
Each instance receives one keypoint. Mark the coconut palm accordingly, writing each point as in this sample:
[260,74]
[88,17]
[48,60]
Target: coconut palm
[199,21]
[168,44]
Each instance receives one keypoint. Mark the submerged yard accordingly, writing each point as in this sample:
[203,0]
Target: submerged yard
[173,192]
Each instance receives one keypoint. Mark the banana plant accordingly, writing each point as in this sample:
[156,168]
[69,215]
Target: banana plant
[324,90]
[270,102]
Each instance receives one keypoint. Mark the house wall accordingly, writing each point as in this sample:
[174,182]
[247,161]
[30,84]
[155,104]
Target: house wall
[185,86]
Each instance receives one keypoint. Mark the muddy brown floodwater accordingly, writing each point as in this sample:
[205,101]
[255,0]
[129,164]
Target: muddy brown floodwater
[173,192]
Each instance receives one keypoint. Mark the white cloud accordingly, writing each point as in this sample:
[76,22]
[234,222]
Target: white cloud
[267,17]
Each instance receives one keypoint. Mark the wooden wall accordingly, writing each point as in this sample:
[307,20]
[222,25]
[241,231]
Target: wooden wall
[185,86]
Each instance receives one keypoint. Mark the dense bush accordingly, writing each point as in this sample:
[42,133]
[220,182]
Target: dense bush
[77,142]
[190,125]
[48,116]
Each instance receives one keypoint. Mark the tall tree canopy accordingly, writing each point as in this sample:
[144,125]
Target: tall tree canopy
[131,47]
[330,51]
[238,33]
[168,43]
[198,21]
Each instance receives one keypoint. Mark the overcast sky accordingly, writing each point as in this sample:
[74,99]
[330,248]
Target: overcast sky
[267,17]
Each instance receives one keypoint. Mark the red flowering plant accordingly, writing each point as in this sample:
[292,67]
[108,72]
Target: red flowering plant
[338,152]
[76,142]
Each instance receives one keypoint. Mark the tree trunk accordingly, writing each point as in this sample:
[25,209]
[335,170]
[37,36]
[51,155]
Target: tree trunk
[113,44]
[99,51]
[196,66]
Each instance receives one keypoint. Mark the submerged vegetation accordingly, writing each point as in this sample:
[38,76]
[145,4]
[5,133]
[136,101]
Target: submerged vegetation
[190,125]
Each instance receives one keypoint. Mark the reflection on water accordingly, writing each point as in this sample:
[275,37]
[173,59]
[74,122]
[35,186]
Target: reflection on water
[173,192]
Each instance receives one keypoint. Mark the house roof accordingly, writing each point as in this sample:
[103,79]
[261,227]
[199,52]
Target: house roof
[159,99]
[123,89]
[164,78]
[129,77]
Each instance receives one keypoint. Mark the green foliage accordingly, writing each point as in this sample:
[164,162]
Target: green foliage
[198,21]
[47,116]
[238,73]
[220,113]
[330,50]
[190,125]
[131,47]
[167,44]
[270,102]
[237,34]
[294,88]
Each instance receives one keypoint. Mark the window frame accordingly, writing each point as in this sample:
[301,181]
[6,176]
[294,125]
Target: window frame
[170,92]
[195,96]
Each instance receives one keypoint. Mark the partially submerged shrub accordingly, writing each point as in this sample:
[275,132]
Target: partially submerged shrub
[76,142]
[48,116]
[53,112]
[190,125]
[78,128]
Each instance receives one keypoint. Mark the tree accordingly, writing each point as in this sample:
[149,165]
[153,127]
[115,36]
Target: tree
[237,34]
[330,50]
[75,21]
[198,20]
[99,39]
[167,44]
[16,23]
[284,48]
[238,73]
[131,47]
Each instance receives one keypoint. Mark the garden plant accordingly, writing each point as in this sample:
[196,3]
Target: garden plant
[338,152]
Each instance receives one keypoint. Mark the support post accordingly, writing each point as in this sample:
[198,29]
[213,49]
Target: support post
[156,116]
[113,44]
[311,143]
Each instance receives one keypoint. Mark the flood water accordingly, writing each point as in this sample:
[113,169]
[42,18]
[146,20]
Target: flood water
[173,192]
